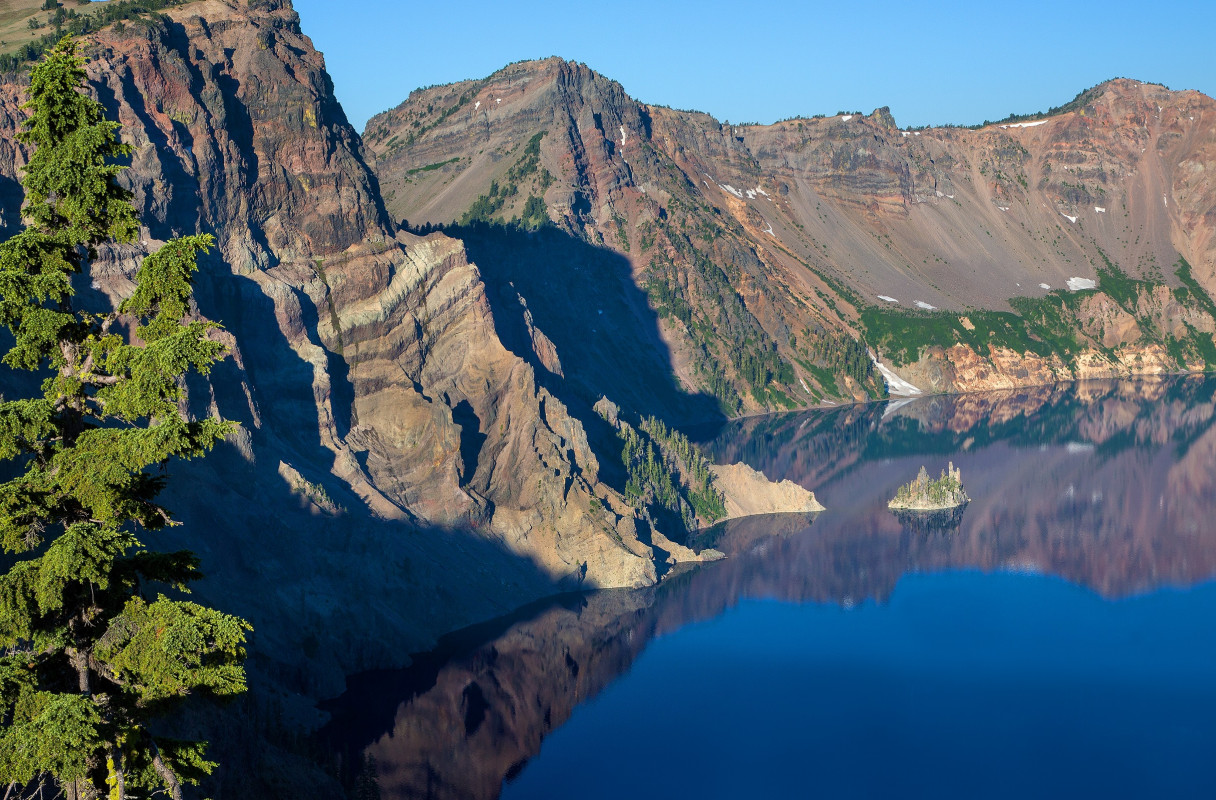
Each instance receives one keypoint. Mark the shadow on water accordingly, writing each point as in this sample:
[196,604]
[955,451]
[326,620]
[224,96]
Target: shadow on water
[368,708]
[1048,497]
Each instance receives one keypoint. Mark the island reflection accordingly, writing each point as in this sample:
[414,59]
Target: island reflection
[1108,485]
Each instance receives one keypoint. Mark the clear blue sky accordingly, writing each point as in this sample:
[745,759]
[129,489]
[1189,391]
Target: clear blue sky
[931,63]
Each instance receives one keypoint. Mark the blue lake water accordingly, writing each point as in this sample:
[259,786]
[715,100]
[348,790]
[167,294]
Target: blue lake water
[1056,639]
[961,685]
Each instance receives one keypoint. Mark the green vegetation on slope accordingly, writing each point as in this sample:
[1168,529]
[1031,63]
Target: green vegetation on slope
[1044,326]
[1191,288]
[526,168]
[944,491]
[1080,101]
[668,475]
[432,167]
[734,334]
[64,21]
[693,467]
[901,336]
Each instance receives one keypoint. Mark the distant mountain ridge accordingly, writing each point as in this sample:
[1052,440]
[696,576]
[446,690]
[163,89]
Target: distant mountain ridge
[772,252]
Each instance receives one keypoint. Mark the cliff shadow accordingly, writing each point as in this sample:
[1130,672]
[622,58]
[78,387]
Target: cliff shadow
[329,595]
[551,285]
[368,709]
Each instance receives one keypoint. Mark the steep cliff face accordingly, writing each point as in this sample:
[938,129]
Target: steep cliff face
[802,236]
[390,440]
[701,293]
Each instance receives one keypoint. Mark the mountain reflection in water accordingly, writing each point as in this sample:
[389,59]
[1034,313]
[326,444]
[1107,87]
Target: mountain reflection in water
[1110,486]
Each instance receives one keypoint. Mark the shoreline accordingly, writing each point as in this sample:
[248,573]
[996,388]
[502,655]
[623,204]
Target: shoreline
[1139,376]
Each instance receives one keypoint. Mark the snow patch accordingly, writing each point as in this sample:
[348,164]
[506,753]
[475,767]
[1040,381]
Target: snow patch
[1065,216]
[622,136]
[888,299]
[895,384]
[751,194]
[846,118]
[925,306]
[498,100]
[1024,124]
[805,388]
[1078,448]
[761,191]
[728,188]
[477,105]
[1100,209]
[949,197]
[1165,201]
[770,231]
[1044,286]
[1077,284]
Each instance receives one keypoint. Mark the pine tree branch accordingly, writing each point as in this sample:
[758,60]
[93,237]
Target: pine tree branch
[166,774]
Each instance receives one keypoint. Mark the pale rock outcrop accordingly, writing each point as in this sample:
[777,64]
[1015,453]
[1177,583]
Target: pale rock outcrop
[748,492]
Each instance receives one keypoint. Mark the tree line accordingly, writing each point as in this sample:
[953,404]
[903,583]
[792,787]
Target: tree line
[665,470]
[69,22]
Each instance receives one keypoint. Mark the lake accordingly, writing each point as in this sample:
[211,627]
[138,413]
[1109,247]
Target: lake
[1056,640]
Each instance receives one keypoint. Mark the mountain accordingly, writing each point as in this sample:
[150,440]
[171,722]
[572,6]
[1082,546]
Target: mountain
[434,422]
[776,256]
[397,464]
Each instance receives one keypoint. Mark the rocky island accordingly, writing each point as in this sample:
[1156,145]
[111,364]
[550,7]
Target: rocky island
[926,506]
[924,494]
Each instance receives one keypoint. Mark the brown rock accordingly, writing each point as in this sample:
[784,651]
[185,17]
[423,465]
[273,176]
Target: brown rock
[748,493]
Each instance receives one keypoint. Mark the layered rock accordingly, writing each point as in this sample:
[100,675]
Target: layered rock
[818,228]
[389,439]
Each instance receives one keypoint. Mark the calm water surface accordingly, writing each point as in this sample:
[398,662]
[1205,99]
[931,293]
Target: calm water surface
[1058,641]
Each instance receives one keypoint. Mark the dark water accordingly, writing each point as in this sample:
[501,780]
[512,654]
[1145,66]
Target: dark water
[1059,640]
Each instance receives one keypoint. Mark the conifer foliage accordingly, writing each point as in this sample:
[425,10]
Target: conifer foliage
[95,642]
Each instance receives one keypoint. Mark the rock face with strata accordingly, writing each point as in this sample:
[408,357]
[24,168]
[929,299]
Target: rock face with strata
[389,439]
[814,222]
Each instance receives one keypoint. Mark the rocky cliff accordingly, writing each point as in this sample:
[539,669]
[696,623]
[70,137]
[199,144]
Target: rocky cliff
[390,440]
[1074,245]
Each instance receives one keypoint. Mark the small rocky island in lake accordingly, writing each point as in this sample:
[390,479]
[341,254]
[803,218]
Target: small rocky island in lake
[924,494]
[927,506]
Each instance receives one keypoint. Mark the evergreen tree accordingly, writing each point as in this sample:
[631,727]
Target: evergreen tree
[92,650]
